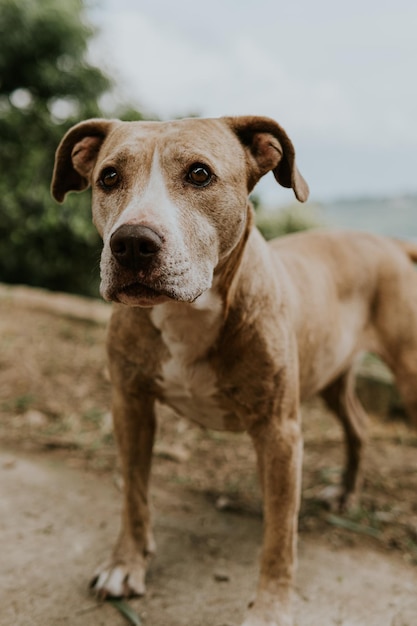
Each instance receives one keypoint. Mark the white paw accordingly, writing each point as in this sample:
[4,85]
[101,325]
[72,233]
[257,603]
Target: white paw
[117,581]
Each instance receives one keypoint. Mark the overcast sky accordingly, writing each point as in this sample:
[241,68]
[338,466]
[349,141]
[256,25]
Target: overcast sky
[341,77]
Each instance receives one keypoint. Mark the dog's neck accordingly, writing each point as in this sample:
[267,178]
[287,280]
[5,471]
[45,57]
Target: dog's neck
[227,273]
[190,330]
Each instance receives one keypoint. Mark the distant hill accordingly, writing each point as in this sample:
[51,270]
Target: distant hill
[396,216]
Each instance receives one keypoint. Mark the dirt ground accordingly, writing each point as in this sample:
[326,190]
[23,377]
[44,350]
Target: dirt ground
[60,497]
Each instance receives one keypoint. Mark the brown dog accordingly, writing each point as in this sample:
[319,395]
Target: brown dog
[227,330]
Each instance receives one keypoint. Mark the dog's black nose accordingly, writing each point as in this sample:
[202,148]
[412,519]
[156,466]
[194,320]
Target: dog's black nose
[133,246]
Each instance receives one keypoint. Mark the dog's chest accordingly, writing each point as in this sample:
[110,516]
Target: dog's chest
[188,382]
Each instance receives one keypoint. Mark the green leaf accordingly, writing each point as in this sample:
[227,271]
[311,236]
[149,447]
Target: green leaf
[342,522]
[126,610]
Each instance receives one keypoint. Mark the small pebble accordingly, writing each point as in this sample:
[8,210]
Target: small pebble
[35,418]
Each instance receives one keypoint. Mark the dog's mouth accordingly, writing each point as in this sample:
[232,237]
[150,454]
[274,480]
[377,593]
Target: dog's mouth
[138,294]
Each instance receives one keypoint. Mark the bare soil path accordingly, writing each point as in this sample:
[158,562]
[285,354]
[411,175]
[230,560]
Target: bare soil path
[57,523]
[60,497]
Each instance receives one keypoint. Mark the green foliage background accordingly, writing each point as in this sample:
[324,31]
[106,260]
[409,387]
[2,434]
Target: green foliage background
[46,86]
[291,219]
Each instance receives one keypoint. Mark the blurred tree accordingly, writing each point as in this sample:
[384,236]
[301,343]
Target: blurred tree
[46,85]
[287,220]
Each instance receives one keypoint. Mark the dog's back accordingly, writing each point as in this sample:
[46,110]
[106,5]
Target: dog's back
[350,292]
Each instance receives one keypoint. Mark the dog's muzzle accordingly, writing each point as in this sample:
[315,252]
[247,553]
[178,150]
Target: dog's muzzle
[134,247]
[137,276]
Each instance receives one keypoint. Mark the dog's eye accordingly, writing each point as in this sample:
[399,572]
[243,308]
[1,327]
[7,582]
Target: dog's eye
[109,178]
[199,175]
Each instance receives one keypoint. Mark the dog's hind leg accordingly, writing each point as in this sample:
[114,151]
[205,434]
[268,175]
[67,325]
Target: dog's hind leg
[395,327]
[404,368]
[341,398]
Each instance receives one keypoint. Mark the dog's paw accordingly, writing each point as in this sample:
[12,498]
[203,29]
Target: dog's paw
[337,500]
[266,610]
[119,580]
[348,502]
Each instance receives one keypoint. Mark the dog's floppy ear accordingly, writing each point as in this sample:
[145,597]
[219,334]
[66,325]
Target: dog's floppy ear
[76,156]
[269,148]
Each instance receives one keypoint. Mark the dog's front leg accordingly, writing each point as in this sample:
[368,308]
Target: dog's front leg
[278,446]
[134,424]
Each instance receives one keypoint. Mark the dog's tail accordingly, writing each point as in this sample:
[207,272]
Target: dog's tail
[409,247]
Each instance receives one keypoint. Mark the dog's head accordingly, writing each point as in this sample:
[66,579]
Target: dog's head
[170,198]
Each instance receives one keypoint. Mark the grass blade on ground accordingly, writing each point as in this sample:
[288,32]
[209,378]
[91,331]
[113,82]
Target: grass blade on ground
[126,610]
